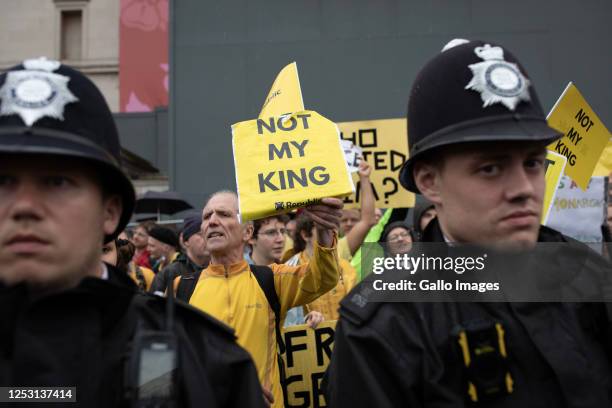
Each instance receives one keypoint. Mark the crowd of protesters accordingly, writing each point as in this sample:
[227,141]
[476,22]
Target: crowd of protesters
[86,300]
[308,283]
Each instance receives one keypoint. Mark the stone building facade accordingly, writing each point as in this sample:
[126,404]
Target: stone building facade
[81,33]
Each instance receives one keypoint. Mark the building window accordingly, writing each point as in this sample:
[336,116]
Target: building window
[71,24]
[71,35]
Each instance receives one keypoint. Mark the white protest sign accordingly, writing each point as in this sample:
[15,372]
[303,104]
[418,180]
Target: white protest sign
[579,214]
[352,154]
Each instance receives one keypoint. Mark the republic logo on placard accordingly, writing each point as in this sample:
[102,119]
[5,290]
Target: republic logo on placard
[293,205]
[290,205]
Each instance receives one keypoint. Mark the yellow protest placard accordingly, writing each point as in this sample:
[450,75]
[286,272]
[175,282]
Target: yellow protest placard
[385,147]
[306,359]
[554,167]
[285,96]
[585,134]
[284,163]
[603,167]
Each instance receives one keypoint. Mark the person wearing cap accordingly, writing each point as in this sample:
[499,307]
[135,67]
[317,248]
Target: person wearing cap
[477,137]
[163,247]
[398,238]
[187,265]
[66,318]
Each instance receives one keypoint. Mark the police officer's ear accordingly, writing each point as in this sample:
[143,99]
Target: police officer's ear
[427,179]
[112,207]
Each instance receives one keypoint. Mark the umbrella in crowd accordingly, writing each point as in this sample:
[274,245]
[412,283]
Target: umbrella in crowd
[161,202]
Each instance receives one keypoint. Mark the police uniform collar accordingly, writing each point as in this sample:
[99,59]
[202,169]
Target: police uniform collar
[111,297]
[547,234]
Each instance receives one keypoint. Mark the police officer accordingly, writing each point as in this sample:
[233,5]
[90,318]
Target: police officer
[67,319]
[477,138]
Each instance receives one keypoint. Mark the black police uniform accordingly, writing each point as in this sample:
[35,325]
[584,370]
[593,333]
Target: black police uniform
[82,338]
[391,354]
[407,355]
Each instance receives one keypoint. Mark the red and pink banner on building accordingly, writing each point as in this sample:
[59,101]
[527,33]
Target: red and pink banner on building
[143,55]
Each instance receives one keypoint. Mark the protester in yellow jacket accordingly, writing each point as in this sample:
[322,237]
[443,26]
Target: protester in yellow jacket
[327,304]
[228,290]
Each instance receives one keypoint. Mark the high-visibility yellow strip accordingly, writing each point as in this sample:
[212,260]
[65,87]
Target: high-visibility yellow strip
[464,348]
[472,392]
[509,383]
[500,337]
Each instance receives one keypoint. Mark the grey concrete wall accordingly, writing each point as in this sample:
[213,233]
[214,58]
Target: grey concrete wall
[356,61]
[146,134]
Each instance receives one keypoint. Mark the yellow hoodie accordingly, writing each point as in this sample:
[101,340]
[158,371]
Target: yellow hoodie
[233,296]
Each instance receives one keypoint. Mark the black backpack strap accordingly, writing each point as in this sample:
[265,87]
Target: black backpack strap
[187,285]
[265,279]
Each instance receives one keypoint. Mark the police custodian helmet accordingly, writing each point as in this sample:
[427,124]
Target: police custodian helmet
[472,91]
[50,108]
